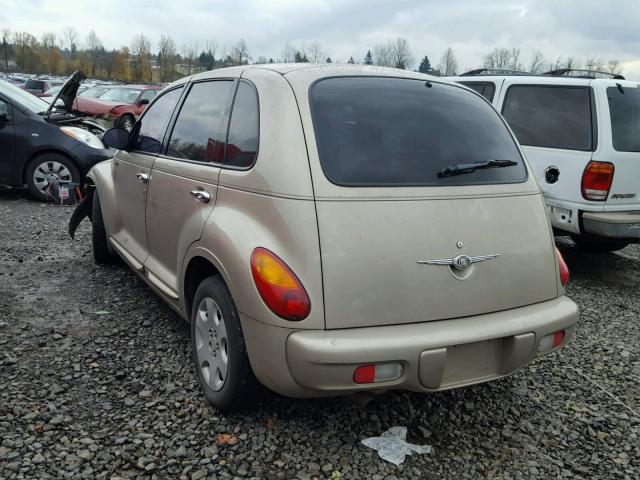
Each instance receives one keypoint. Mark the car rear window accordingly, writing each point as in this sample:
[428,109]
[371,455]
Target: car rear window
[624,108]
[377,131]
[34,85]
[550,116]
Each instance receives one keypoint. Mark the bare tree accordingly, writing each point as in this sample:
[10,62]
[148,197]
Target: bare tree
[498,58]
[514,60]
[289,53]
[592,63]
[401,53]
[383,56]
[315,52]
[571,62]
[167,58]
[94,47]
[536,62]
[613,66]
[240,52]
[141,52]
[448,64]
[189,54]
[69,39]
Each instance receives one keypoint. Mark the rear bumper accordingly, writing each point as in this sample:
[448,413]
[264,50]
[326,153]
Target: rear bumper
[612,224]
[436,355]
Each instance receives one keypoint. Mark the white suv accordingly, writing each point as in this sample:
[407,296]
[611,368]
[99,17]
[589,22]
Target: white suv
[581,135]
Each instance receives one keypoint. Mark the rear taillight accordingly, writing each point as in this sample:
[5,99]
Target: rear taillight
[278,286]
[596,181]
[564,270]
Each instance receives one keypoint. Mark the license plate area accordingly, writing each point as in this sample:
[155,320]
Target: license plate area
[471,361]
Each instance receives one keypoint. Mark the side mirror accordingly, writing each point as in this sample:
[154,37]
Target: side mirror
[116,138]
[143,101]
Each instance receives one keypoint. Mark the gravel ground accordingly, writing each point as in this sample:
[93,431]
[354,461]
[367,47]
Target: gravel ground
[97,382]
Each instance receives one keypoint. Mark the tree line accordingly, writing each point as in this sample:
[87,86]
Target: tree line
[142,61]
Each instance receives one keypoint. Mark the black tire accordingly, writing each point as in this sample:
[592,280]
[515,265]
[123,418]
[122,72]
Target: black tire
[126,121]
[240,387]
[598,245]
[103,253]
[37,168]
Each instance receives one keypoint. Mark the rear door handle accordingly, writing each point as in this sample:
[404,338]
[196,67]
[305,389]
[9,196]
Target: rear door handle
[142,177]
[201,195]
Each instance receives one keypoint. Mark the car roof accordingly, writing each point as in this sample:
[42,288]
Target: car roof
[314,71]
[543,80]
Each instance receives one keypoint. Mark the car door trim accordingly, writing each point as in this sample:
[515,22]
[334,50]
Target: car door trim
[126,255]
[160,285]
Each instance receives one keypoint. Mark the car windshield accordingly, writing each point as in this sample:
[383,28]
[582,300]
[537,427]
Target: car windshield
[23,98]
[376,131]
[624,107]
[126,95]
[52,91]
[93,92]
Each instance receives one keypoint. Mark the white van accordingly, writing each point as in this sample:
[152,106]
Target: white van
[580,131]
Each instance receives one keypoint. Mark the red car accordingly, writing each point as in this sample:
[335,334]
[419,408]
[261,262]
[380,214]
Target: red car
[121,104]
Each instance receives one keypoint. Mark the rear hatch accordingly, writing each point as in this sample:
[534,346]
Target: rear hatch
[622,146]
[401,191]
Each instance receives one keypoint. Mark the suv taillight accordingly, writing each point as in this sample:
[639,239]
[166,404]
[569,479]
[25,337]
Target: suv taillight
[564,270]
[596,181]
[278,286]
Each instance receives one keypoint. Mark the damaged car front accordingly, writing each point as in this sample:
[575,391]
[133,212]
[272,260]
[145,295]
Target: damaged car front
[44,143]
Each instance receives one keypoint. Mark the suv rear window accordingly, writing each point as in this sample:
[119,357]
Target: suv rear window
[34,85]
[625,118]
[377,131]
[486,89]
[550,116]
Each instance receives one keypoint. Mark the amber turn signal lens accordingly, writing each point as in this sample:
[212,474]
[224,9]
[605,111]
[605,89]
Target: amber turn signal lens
[278,286]
[564,270]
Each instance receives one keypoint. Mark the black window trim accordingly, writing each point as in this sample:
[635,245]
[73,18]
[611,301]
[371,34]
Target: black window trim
[176,114]
[414,185]
[136,127]
[592,111]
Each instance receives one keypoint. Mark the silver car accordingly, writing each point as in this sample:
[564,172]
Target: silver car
[330,229]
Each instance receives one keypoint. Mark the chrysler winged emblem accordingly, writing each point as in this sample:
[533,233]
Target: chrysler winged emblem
[459,262]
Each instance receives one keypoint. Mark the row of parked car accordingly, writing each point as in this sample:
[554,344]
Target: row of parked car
[110,103]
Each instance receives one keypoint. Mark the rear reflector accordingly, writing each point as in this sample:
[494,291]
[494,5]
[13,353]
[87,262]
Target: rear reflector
[596,181]
[564,270]
[551,341]
[383,372]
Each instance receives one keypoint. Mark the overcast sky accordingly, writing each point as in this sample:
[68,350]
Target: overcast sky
[607,30]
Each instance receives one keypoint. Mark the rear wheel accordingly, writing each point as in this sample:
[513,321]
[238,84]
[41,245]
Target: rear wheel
[598,245]
[218,347]
[46,168]
[102,251]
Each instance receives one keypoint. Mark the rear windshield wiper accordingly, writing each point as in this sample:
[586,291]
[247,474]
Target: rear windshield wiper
[463,168]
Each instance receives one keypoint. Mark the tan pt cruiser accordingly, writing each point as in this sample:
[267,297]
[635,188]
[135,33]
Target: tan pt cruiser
[330,229]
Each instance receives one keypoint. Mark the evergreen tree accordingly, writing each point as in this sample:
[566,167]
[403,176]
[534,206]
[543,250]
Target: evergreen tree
[329,60]
[351,60]
[368,58]
[271,60]
[300,57]
[425,66]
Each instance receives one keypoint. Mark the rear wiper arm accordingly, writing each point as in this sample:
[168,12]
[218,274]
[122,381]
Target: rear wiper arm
[463,168]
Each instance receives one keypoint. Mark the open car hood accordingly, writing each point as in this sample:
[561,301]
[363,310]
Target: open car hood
[68,92]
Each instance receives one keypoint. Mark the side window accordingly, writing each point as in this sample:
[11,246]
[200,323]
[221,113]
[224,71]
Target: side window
[149,131]
[148,95]
[244,128]
[5,109]
[486,89]
[200,129]
[550,116]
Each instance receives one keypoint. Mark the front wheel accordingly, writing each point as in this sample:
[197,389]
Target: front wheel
[47,168]
[598,245]
[218,347]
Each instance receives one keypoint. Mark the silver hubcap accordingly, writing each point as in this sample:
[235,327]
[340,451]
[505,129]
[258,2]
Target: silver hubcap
[128,123]
[211,343]
[47,172]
